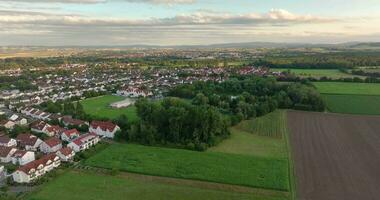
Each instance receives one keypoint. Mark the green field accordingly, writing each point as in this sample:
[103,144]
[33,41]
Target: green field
[348,88]
[90,186]
[353,104]
[262,136]
[235,169]
[317,73]
[100,107]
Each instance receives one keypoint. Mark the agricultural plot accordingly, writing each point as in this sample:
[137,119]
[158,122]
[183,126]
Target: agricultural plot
[348,88]
[100,107]
[87,185]
[263,136]
[317,73]
[253,171]
[336,156]
[353,104]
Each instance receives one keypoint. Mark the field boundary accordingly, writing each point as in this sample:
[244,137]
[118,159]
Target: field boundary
[185,182]
[292,176]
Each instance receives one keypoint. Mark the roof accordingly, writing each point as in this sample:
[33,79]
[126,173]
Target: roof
[53,141]
[66,151]
[34,164]
[71,121]
[103,125]
[55,129]
[71,132]
[4,151]
[38,125]
[84,138]
[27,139]
[19,153]
[4,139]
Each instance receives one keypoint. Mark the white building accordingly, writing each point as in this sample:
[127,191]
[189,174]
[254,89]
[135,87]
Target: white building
[21,157]
[51,145]
[36,169]
[69,135]
[106,129]
[66,154]
[28,142]
[6,154]
[84,142]
[7,141]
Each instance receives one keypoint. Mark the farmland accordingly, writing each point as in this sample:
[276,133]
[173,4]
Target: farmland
[348,88]
[262,136]
[353,104]
[88,185]
[215,167]
[335,155]
[100,107]
[317,73]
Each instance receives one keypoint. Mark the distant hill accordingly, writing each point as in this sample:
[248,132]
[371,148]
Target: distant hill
[366,45]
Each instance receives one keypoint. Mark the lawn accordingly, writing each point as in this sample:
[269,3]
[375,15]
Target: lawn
[317,73]
[100,107]
[246,170]
[353,104]
[348,88]
[90,186]
[262,136]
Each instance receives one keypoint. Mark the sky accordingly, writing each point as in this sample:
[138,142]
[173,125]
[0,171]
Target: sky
[186,22]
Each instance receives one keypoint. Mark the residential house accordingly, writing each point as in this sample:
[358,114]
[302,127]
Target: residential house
[105,129]
[28,141]
[84,142]
[21,157]
[8,124]
[36,169]
[69,121]
[18,120]
[66,154]
[68,135]
[51,145]
[54,131]
[6,154]
[39,126]
[7,141]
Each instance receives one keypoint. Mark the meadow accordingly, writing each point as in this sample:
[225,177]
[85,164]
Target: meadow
[348,88]
[263,136]
[87,185]
[353,104]
[317,73]
[246,170]
[100,107]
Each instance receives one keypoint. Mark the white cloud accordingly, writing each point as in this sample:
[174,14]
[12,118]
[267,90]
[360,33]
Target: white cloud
[168,2]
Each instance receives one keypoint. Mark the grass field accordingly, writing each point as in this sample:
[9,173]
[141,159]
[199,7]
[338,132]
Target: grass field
[317,73]
[348,88]
[90,186]
[353,104]
[262,136]
[100,107]
[235,169]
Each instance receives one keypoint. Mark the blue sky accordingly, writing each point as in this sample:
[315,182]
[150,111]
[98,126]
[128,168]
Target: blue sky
[178,22]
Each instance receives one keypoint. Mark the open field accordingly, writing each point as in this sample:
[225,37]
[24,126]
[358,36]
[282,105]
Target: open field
[353,104]
[336,156]
[348,88]
[88,185]
[235,169]
[262,136]
[100,107]
[317,73]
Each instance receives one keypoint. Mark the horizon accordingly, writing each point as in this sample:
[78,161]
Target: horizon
[186,22]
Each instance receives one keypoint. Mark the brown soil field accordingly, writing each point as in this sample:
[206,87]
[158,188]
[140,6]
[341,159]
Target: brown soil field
[336,157]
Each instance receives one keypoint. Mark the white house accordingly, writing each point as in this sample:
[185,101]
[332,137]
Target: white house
[36,169]
[51,145]
[66,154]
[133,92]
[39,127]
[6,154]
[53,130]
[106,129]
[68,135]
[7,141]
[28,142]
[18,120]
[21,157]
[8,124]
[84,142]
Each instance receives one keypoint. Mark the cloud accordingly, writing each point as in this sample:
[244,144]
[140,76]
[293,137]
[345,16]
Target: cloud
[167,2]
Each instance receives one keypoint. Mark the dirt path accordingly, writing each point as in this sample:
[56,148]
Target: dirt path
[337,157]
